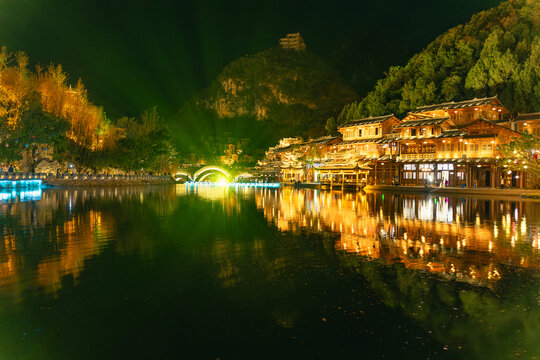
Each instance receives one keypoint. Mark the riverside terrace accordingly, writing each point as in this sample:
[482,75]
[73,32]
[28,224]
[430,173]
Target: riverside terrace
[451,144]
[20,179]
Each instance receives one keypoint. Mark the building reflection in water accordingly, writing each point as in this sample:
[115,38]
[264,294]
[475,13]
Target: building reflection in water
[460,237]
[466,238]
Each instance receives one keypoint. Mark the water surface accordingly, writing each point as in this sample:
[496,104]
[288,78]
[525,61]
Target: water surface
[212,272]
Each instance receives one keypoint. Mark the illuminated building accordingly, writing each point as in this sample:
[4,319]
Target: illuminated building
[370,147]
[296,160]
[454,144]
[529,123]
[293,42]
[449,144]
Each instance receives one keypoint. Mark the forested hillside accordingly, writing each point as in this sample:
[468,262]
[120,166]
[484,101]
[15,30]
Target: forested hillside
[263,97]
[496,52]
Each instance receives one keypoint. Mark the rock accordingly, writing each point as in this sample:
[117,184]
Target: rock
[47,166]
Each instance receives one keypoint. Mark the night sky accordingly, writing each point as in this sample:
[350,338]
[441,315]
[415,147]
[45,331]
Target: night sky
[134,54]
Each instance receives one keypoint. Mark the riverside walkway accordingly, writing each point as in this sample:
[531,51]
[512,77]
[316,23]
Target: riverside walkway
[75,180]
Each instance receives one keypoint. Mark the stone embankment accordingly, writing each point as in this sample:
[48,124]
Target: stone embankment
[484,191]
[71,180]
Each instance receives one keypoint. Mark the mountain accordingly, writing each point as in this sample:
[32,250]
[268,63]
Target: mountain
[496,52]
[274,93]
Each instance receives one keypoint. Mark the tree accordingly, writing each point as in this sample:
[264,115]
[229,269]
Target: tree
[522,155]
[312,156]
[331,126]
[35,131]
[145,144]
[497,52]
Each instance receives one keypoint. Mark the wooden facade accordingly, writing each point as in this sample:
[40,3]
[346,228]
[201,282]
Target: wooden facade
[450,144]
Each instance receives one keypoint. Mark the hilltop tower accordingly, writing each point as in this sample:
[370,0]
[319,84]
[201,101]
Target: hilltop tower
[293,42]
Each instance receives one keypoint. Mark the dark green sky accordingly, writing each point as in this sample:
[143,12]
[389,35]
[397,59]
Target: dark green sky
[139,53]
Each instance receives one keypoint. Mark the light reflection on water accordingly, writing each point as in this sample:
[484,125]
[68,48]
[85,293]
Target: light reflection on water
[270,265]
[462,237]
[17,195]
[56,227]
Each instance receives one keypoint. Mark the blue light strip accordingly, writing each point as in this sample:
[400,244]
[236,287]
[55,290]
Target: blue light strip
[21,195]
[20,183]
[252,185]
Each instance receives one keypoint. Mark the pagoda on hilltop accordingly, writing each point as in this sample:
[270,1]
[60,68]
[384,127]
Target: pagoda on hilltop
[293,42]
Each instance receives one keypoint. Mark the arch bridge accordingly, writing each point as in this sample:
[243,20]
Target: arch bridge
[205,171]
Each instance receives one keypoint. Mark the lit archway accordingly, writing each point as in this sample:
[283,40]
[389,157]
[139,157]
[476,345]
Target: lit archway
[179,174]
[202,177]
[201,173]
[242,176]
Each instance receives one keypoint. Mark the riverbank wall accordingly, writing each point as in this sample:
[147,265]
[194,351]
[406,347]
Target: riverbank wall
[101,183]
[524,193]
[71,180]
[456,190]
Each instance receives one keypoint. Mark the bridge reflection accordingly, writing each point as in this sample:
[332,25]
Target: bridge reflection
[468,239]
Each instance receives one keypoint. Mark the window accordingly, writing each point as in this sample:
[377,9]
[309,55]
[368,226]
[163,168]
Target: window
[445,166]
[409,175]
[460,175]
[376,131]
[360,133]
[413,132]
[409,167]
[427,167]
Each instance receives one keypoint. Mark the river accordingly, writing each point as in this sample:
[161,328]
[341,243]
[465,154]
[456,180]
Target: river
[170,272]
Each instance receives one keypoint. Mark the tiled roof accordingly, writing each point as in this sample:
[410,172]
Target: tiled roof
[528,117]
[478,136]
[450,134]
[422,122]
[489,122]
[367,121]
[457,105]
[323,140]
[387,140]
[417,137]
[381,140]
[360,141]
